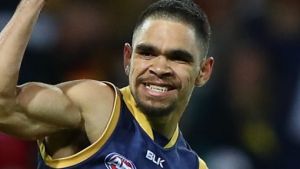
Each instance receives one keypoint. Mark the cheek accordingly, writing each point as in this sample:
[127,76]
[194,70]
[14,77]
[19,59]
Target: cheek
[189,82]
[137,68]
[186,75]
[132,76]
[187,78]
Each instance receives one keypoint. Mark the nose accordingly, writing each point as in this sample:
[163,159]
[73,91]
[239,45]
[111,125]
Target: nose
[160,67]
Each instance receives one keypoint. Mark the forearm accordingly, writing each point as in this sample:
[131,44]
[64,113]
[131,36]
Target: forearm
[13,41]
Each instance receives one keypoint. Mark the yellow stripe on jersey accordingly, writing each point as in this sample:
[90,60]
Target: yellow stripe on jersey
[142,119]
[202,164]
[173,139]
[90,150]
[139,116]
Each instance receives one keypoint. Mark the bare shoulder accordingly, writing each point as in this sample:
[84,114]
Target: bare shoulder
[89,94]
[96,100]
[85,85]
[88,91]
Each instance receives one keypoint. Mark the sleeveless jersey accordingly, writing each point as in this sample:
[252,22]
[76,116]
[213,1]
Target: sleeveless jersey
[127,143]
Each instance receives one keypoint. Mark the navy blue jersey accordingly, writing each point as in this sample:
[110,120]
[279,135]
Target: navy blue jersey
[127,143]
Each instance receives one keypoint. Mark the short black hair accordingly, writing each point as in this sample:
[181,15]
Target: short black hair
[185,11]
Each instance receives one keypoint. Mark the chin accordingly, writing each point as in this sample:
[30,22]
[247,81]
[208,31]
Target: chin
[155,110]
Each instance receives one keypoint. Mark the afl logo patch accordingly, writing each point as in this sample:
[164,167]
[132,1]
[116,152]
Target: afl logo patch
[117,161]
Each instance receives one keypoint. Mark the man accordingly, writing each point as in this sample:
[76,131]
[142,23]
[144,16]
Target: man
[91,124]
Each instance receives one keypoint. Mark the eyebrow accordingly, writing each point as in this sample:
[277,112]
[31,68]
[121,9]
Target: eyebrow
[144,47]
[180,54]
[172,53]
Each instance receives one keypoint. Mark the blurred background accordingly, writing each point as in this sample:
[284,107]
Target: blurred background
[246,117]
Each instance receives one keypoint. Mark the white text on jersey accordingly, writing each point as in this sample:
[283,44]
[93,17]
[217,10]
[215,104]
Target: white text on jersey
[156,160]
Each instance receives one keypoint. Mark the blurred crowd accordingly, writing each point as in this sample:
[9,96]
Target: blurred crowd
[246,117]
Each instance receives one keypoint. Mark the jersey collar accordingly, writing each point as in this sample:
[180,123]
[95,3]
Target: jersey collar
[142,119]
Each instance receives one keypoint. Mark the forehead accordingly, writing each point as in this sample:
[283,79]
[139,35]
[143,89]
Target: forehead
[166,35]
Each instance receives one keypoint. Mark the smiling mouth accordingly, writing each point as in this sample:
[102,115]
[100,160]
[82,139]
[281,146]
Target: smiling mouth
[157,88]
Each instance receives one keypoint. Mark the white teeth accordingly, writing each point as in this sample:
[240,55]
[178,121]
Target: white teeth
[157,88]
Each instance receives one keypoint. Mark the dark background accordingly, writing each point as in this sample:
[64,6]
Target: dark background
[246,117]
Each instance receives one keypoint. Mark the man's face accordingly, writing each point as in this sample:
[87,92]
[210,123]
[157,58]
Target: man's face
[164,65]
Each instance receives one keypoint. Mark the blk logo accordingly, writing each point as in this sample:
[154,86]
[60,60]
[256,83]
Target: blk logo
[117,161]
[156,160]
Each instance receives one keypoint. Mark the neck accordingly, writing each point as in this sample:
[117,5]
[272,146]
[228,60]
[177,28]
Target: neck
[165,126]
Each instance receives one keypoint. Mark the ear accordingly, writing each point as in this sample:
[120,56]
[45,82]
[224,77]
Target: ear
[206,68]
[127,52]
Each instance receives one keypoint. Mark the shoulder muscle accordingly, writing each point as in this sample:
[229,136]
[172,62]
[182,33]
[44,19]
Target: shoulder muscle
[96,101]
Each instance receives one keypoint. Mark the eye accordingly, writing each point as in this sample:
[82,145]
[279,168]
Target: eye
[146,51]
[181,57]
[147,54]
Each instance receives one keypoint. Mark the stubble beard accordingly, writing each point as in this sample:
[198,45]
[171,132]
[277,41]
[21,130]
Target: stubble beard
[152,111]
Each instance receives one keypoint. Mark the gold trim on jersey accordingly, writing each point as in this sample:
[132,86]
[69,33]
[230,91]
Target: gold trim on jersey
[142,119]
[202,164]
[173,139]
[90,150]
